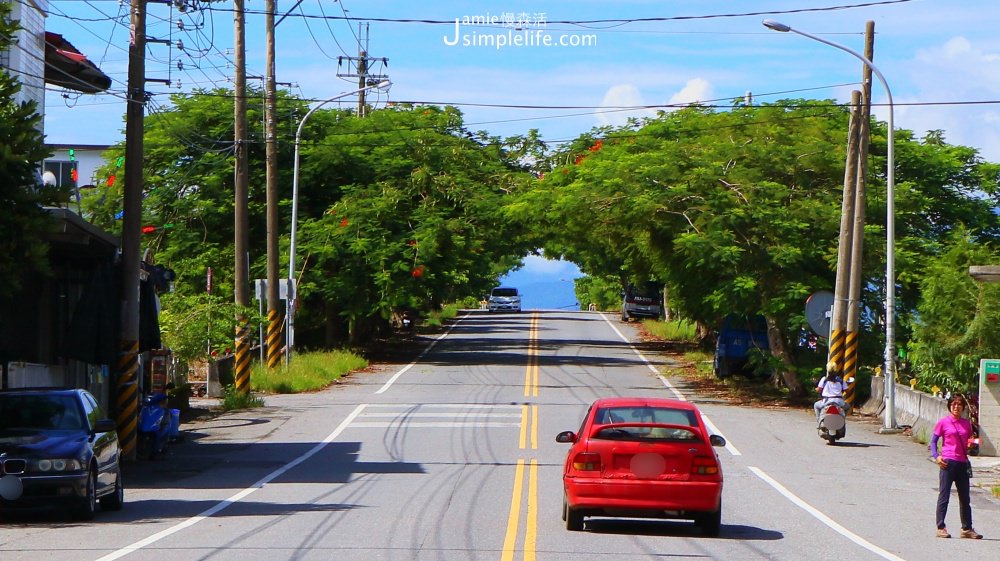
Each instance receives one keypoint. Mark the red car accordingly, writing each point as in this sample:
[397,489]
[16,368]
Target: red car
[643,457]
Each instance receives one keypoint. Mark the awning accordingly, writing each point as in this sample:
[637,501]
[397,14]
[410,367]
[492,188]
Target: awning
[67,67]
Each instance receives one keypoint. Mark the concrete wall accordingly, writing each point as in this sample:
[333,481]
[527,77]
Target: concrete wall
[918,410]
[989,405]
[26,59]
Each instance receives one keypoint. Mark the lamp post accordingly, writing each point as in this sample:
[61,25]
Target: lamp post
[292,293]
[889,370]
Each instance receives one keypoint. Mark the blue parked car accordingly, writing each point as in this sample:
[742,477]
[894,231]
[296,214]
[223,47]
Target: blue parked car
[58,449]
[737,340]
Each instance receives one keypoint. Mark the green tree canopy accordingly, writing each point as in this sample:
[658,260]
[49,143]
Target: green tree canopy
[738,211]
[23,250]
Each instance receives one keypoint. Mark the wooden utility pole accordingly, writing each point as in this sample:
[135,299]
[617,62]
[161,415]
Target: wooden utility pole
[274,316]
[126,385]
[241,370]
[363,68]
[860,198]
[362,77]
[838,320]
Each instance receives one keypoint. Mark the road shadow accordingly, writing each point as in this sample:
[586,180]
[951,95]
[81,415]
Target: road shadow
[856,445]
[647,527]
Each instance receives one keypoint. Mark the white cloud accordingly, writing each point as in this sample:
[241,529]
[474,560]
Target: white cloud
[628,95]
[549,267]
[621,95]
[695,90]
[955,70]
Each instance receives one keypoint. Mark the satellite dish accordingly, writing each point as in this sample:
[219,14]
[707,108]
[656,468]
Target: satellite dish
[819,308]
[49,179]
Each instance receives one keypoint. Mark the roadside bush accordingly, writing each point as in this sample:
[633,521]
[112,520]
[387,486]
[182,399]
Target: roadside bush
[306,372]
[238,400]
[447,312]
[605,293]
[674,330]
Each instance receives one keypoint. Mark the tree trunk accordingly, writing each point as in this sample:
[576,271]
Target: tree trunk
[785,375]
[666,304]
[335,332]
[706,338]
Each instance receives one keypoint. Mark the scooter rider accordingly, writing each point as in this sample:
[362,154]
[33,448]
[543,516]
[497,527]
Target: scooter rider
[830,387]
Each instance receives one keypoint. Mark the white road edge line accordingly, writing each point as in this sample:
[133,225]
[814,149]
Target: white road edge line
[711,426]
[824,518]
[238,496]
[396,376]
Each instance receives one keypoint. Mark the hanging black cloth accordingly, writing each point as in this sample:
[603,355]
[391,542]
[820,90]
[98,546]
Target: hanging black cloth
[149,318]
[93,331]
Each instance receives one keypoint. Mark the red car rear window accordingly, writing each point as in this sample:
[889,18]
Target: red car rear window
[645,414]
[647,433]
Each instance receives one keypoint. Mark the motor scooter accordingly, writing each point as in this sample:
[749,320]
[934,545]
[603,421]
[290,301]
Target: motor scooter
[154,426]
[832,423]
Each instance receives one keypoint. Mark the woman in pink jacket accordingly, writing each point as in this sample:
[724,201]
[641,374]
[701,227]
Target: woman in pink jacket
[955,433]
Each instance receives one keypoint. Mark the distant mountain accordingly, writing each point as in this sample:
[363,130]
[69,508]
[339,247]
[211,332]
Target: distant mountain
[545,284]
[548,296]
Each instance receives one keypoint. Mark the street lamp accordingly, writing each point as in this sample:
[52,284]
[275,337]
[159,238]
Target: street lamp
[890,235]
[292,293]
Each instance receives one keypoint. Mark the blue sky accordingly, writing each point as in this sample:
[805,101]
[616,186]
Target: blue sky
[545,283]
[941,58]
[937,52]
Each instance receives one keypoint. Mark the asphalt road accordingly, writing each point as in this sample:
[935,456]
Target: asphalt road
[454,458]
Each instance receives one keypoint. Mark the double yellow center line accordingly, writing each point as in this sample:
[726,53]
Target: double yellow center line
[528,437]
[531,372]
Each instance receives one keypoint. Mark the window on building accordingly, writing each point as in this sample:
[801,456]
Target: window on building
[63,170]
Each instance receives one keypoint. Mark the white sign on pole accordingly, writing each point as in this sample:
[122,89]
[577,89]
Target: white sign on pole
[260,289]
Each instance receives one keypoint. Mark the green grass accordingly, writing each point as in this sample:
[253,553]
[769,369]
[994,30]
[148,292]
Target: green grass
[996,491]
[671,330]
[306,372]
[236,400]
[447,312]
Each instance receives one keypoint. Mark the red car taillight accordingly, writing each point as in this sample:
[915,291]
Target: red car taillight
[587,461]
[833,410]
[705,466]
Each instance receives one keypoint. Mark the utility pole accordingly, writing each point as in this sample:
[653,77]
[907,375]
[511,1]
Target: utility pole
[241,371]
[362,73]
[127,385]
[854,294]
[838,320]
[274,319]
[363,62]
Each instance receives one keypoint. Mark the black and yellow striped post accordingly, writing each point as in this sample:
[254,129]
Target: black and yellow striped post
[242,367]
[274,340]
[835,360]
[850,368]
[127,397]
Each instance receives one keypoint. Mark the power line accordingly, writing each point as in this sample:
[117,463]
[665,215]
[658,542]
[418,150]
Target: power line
[616,21]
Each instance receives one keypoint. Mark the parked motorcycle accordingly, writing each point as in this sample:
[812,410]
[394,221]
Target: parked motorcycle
[832,423]
[154,426]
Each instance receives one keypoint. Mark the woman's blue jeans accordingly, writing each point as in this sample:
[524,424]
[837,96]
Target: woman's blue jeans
[957,473]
